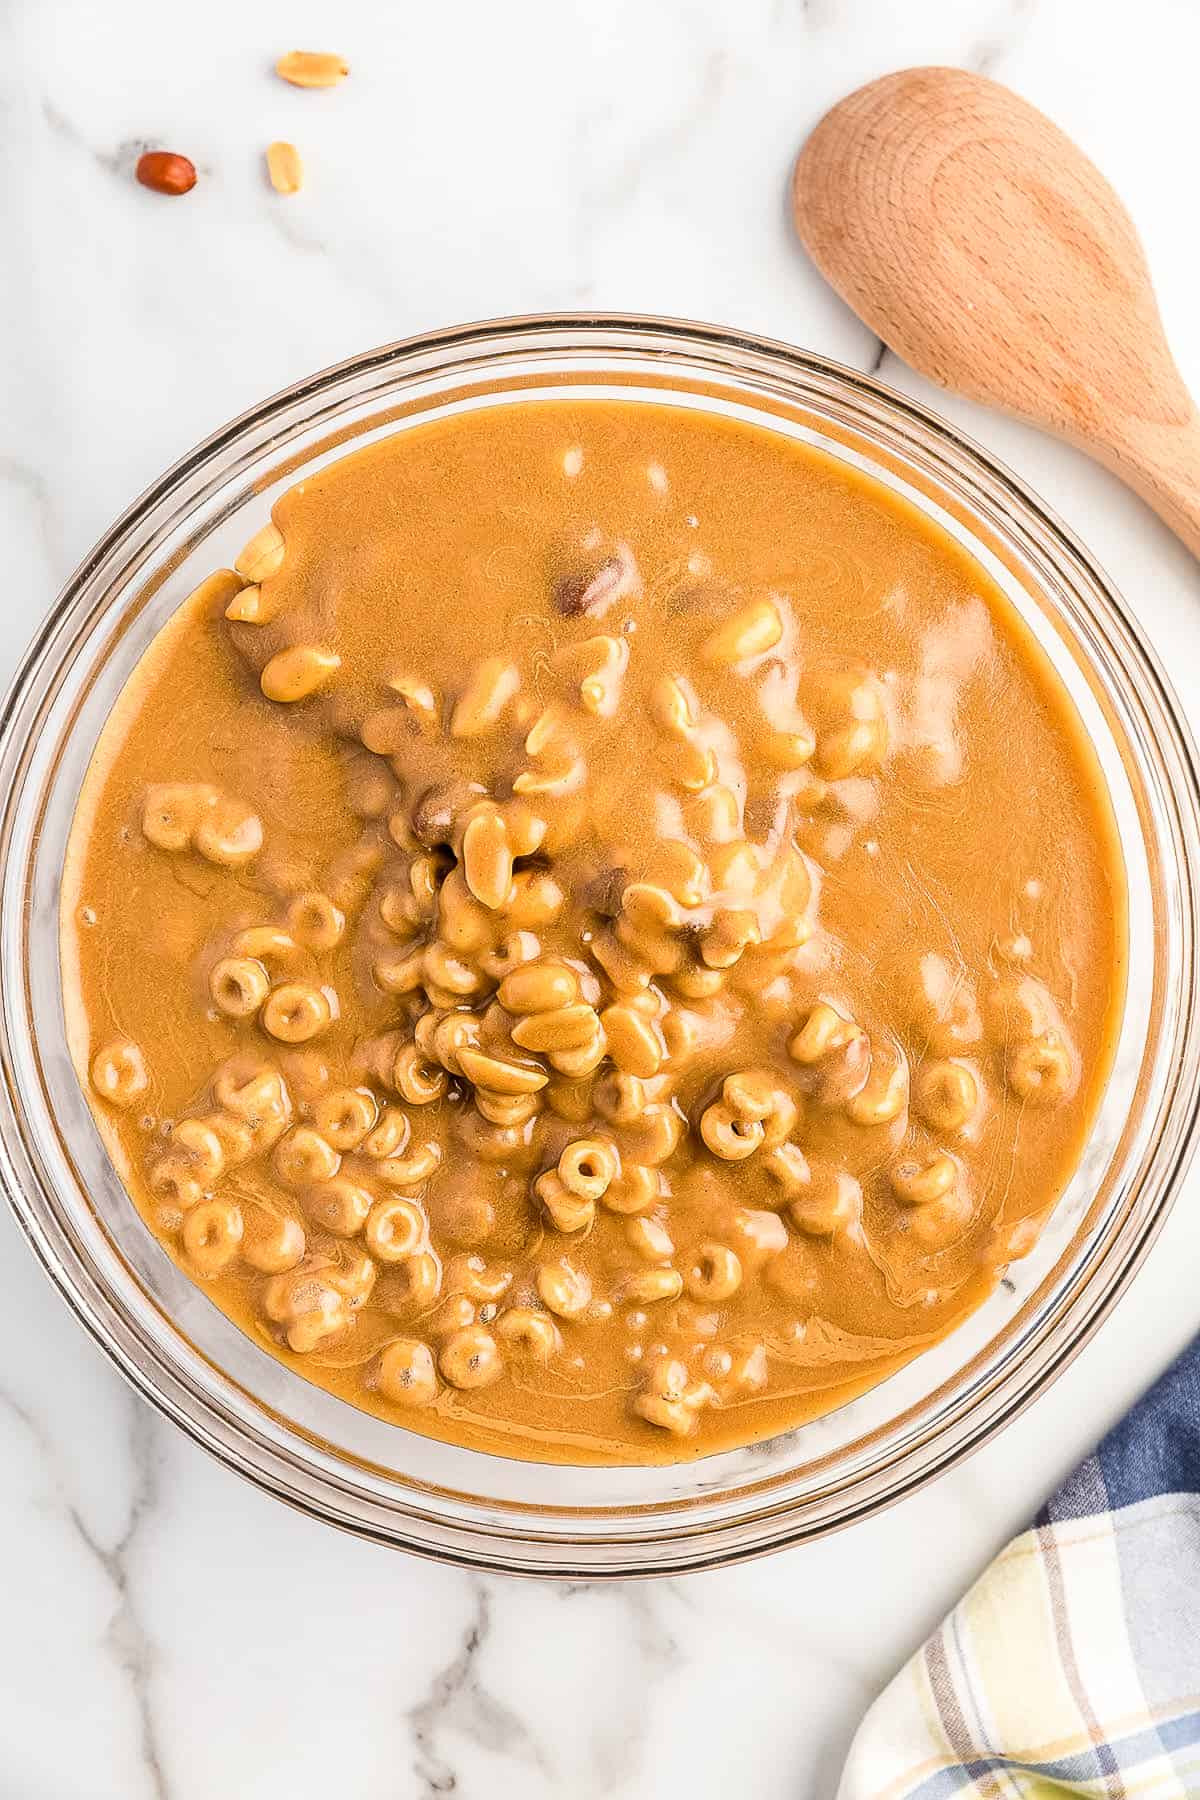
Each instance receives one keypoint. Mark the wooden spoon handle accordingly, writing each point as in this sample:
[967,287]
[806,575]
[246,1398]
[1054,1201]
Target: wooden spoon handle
[1160,460]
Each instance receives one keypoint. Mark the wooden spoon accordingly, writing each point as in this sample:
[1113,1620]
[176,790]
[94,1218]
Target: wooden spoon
[981,244]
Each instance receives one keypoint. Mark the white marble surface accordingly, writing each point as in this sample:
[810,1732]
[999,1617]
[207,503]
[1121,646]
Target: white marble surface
[168,1631]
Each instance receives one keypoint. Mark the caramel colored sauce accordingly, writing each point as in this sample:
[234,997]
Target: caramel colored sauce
[601,939]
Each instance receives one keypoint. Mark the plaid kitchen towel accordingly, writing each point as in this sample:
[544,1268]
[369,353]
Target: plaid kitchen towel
[1073,1665]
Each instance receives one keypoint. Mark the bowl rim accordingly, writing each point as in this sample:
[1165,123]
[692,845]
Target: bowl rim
[167,1389]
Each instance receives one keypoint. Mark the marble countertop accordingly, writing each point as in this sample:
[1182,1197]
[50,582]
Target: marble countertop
[170,1633]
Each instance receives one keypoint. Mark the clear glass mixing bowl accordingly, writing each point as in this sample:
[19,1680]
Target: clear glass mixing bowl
[319,1453]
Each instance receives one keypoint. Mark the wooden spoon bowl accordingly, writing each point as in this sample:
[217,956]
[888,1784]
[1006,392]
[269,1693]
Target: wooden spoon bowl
[981,245]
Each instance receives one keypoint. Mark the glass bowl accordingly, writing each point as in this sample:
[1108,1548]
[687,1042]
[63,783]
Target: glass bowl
[321,1454]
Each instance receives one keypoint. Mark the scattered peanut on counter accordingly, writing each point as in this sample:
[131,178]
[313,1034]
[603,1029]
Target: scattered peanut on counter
[285,167]
[166,172]
[312,69]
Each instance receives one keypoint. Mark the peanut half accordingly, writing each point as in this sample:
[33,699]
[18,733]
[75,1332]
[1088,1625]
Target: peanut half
[312,68]
[285,167]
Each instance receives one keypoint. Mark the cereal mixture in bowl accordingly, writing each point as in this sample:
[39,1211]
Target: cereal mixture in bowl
[600,938]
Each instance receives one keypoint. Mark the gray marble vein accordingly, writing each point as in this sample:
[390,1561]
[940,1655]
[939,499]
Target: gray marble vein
[36,492]
[127,1636]
[668,140]
[458,1705]
[1000,36]
[125,1640]
[621,1753]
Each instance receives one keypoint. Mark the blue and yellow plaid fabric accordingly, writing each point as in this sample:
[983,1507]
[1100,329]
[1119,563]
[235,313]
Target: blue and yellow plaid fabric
[1073,1665]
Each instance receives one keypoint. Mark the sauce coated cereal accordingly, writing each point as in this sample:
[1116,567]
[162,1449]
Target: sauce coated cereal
[603,932]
